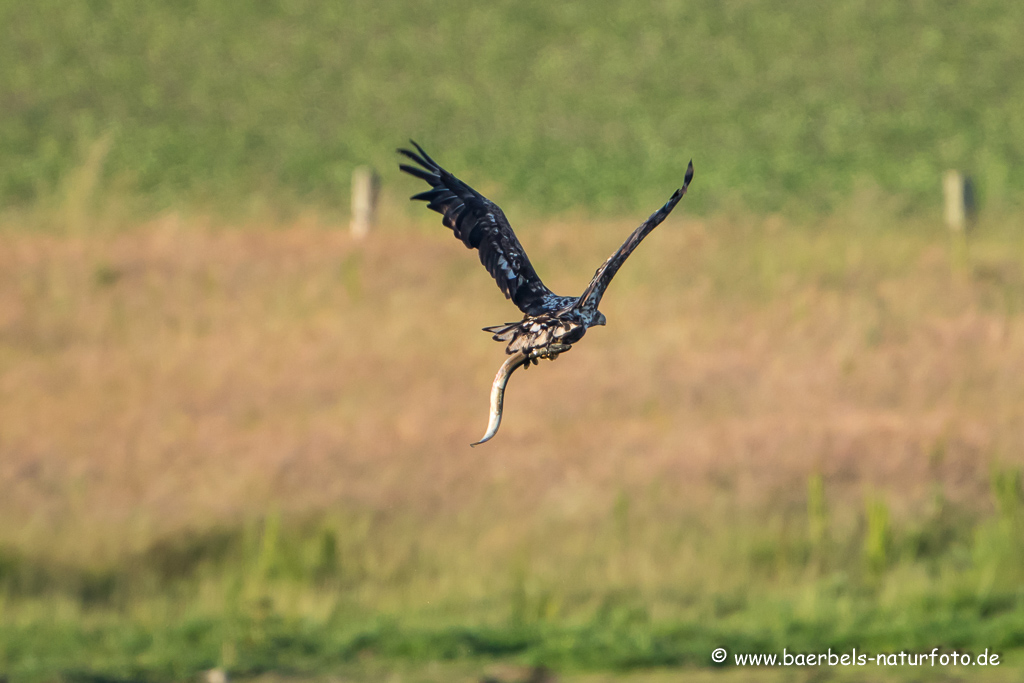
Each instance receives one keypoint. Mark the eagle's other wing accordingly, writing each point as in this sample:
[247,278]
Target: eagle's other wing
[591,297]
[481,225]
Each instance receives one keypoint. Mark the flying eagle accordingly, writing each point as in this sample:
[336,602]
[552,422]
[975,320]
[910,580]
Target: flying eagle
[552,323]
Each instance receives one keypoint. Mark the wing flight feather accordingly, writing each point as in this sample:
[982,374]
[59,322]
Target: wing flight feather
[591,297]
[481,225]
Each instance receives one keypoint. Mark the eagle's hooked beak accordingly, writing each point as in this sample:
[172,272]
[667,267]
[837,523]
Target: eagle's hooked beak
[600,320]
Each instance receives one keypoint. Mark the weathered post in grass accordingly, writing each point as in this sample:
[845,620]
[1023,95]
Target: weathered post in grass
[365,187]
[959,194]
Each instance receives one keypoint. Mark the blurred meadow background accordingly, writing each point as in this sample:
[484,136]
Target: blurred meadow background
[234,437]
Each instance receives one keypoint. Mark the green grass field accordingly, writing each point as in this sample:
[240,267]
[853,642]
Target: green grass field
[595,108]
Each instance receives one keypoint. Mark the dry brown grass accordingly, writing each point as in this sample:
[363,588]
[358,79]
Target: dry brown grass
[180,375]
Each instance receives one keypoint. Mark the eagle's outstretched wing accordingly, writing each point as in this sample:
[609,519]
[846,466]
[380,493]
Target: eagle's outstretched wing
[481,225]
[591,297]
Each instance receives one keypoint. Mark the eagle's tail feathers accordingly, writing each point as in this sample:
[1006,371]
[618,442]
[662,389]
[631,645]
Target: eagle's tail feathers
[503,332]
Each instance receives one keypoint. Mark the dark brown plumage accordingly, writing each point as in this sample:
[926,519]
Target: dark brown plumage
[551,324]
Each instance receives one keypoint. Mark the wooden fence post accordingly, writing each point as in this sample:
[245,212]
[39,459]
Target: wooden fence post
[365,188]
[959,192]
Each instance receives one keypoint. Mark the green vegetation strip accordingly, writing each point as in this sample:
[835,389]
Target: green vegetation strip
[119,649]
[558,105]
[286,602]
